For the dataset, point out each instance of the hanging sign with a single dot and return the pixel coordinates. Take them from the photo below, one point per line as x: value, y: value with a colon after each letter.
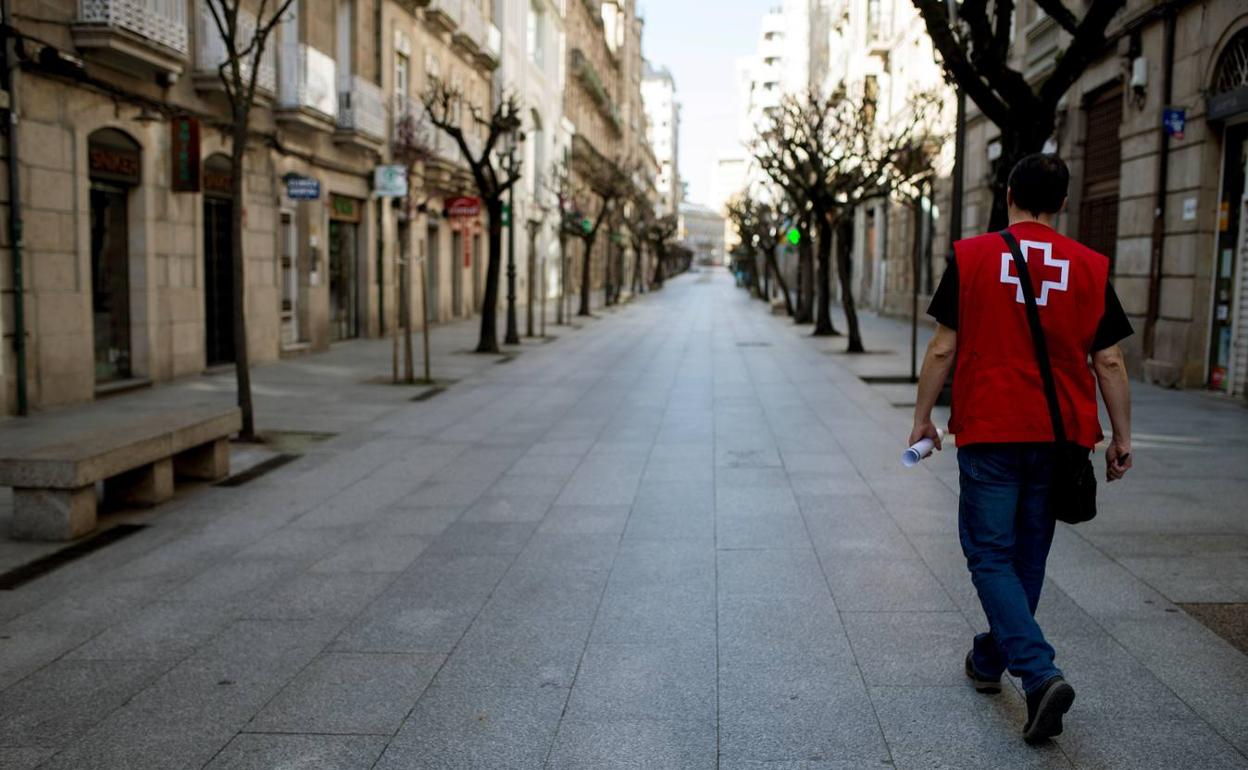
x: 1175, y: 121
x: 464, y: 208
x: 302, y: 188
x: 185, y: 152
x: 390, y: 181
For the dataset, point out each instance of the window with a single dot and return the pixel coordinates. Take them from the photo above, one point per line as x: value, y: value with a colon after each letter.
x: 536, y: 33
x: 402, y: 75
x: 537, y: 140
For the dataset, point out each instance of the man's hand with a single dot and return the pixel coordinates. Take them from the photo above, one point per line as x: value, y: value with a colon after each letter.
x: 924, y: 429
x: 1117, y: 460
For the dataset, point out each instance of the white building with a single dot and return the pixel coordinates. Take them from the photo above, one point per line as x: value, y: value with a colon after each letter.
x: 702, y: 232
x: 534, y: 43
x: 658, y: 92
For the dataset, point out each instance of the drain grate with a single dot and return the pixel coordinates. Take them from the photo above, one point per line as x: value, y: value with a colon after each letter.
x: 257, y: 470
x: 19, y: 576
x: 1228, y: 620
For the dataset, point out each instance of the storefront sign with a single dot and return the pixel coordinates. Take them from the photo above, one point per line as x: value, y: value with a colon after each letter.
x: 302, y: 188
x: 1175, y: 121
x: 464, y: 208
x: 344, y: 209
x: 185, y: 151
x: 390, y: 181
x: 218, y: 175
x: 114, y: 164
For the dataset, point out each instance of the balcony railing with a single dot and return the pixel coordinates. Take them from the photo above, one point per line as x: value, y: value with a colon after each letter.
x: 308, y: 79
x: 160, y: 21
x: 444, y: 14
x: 362, y: 108
x: 210, y: 50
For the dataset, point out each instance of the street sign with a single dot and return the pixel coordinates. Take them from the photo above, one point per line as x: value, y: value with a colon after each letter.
x: 1175, y: 121
x: 302, y: 188
x: 390, y: 181
x: 464, y: 207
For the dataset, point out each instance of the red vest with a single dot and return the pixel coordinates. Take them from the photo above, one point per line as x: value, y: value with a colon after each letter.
x: 998, y: 396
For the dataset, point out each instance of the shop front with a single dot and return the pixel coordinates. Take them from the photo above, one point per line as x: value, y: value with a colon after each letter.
x: 1228, y: 107
x: 345, y: 215
x: 218, y: 181
x: 114, y: 165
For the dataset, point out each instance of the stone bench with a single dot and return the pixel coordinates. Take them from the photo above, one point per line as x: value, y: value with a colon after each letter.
x: 53, y: 463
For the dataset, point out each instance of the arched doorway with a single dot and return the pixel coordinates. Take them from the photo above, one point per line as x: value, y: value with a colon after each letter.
x: 1228, y: 104
x: 218, y: 261
x: 115, y: 168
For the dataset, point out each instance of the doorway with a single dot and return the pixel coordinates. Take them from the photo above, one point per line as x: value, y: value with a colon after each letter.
x: 1102, y: 170
x: 1232, y: 244
x: 290, y: 309
x: 218, y: 262
x: 457, y: 274
x: 344, y: 268
x: 110, y: 282
x: 433, y: 292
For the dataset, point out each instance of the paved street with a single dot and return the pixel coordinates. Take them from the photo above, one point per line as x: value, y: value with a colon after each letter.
x: 678, y: 537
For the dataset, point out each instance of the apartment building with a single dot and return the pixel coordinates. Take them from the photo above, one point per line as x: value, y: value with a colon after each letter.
x: 124, y: 186
x: 658, y: 93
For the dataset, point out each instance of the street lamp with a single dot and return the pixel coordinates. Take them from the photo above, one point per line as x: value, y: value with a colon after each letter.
x: 513, y: 138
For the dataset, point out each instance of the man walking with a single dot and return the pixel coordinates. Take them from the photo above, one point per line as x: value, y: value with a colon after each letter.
x: 1004, y: 432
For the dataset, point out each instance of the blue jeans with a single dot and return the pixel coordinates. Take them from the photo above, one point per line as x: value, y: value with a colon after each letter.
x: 1006, y: 531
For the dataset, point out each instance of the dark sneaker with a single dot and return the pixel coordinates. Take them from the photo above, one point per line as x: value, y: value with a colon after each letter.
x: 1045, y: 708
x: 980, y: 682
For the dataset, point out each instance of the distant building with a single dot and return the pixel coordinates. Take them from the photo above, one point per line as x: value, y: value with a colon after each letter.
x: 658, y: 92
x: 702, y: 232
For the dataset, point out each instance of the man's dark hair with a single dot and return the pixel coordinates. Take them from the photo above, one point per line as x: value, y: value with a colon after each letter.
x: 1040, y: 183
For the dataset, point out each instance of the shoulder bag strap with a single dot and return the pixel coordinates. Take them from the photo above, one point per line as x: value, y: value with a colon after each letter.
x: 1037, y: 337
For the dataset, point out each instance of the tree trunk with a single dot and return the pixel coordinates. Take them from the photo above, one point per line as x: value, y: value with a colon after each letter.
x: 660, y: 254
x: 639, y: 281
x: 823, y: 303
x: 805, y: 279
x: 563, y: 275
x: 1017, y: 142
x: 489, y: 302
x: 586, y: 281
x: 784, y: 289
x: 242, y: 363
x: 844, y: 264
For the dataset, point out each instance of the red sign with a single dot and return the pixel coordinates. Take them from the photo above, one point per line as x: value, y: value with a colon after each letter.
x: 464, y: 208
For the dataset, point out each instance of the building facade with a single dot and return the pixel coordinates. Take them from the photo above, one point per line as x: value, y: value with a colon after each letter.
x: 658, y: 91
x: 702, y: 232
x: 125, y: 187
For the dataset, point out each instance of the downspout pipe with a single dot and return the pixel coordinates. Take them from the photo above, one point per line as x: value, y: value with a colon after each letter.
x: 1158, y: 252
x: 15, y: 209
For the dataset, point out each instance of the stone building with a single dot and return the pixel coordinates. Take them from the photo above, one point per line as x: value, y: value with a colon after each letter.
x: 1154, y: 132
x: 658, y: 91
x: 124, y: 185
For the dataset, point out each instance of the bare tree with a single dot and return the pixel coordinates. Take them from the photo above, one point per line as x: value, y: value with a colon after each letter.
x: 662, y: 234
x: 603, y: 190
x: 493, y: 171
x: 833, y: 154
x: 244, y: 42
x: 412, y: 146
x: 760, y: 226
x: 974, y: 46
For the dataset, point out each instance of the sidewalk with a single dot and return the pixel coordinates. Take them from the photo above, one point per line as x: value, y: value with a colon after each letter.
x: 679, y: 537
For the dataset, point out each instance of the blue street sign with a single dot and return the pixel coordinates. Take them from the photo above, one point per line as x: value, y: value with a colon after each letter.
x: 302, y: 188
x: 1175, y: 120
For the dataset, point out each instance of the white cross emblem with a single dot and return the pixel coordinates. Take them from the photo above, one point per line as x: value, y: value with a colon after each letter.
x: 1007, y: 259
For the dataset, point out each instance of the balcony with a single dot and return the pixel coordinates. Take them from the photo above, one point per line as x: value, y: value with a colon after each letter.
x: 444, y: 15
x: 361, y: 113
x: 470, y: 37
x: 210, y: 53
x: 490, y: 55
x: 146, y: 37
x: 307, y: 95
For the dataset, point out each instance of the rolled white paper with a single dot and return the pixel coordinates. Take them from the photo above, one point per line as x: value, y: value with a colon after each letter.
x: 915, y: 454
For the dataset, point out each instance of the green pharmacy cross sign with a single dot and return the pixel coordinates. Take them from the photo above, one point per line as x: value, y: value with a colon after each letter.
x: 587, y: 225
x: 794, y: 236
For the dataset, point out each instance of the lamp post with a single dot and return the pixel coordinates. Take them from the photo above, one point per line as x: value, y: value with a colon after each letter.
x: 514, y: 138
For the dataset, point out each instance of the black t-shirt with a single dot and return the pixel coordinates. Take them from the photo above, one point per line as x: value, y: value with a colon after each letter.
x: 1113, y: 328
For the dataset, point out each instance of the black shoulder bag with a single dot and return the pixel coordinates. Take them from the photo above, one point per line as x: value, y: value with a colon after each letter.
x: 1072, y: 492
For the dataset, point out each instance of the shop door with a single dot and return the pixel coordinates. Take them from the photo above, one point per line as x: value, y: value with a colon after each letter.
x: 344, y: 310
x: 457, y: 274
x: 110, y: 282
x: 1228, y: 354
x: 1102, y: 169
x: 433, y: 293
x: 218, y: 281
x: 291, y: 328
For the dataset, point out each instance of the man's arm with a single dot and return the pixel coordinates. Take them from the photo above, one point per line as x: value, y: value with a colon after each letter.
x: 1111, y: 375
x: 937, y: 363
